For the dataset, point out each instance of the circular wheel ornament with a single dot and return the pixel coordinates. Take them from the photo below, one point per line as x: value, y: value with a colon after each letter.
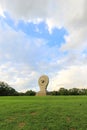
x: 43, y: 82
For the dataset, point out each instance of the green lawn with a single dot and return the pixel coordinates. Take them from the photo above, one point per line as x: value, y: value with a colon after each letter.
x: 43, y: 113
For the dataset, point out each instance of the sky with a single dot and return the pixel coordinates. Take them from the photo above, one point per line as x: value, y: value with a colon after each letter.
x: 40, y: 37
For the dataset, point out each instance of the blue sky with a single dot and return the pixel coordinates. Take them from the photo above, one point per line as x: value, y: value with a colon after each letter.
x: 35, y: 40
x: 39, y: 30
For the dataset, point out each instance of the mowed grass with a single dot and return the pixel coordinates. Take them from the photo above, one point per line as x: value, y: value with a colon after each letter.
x: 43, y: 113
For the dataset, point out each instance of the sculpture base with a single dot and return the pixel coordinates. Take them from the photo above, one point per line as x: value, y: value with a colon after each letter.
x: 41, y: 93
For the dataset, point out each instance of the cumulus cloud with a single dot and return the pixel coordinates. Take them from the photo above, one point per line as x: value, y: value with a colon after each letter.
x: 23, y: 58
x: 1, y: 11
x: 19, y: 76
x: 73, y: 76
x: 65, y: 71
x: 69, y: 14
x: 26, y: 9
x: 77, y: 28
x: 62, y: 12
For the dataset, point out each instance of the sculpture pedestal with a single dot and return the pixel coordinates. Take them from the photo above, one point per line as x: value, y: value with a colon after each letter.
x: 41, y: 93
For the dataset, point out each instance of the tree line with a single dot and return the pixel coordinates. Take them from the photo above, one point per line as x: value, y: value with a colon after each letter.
x: 72, y: 91
x: 6, y: 90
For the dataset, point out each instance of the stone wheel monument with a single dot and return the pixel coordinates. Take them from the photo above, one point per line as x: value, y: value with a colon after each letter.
x: 43, y: 83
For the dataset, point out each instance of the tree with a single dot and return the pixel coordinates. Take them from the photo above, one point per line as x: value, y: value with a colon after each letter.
x: 6, y: 90
x: 63, y: 91
x: 83, y: 92
x: 30, y: 93
x: 74, y: 91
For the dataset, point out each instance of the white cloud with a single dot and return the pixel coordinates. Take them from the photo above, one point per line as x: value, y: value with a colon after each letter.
x: 61, y: 11
x: 1, y: 11
x: 17, y: 59
x: 26, y: 9
x: 69, y: 14
x: 19, y: 76
x: 76, y: 40
x: 74, y: 76
x: 23, y: 59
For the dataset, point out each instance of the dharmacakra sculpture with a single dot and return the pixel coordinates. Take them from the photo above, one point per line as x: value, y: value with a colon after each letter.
x: 43, y: 83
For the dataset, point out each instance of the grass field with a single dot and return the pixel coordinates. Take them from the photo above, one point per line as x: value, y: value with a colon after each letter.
x: 43, y: 113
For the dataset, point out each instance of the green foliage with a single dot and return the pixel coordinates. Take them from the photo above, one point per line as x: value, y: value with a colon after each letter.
x: 73, y: 91
x: 30, y: 93
x: 6, y: 90
x: 63, y: 91
x: 53, y: 93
